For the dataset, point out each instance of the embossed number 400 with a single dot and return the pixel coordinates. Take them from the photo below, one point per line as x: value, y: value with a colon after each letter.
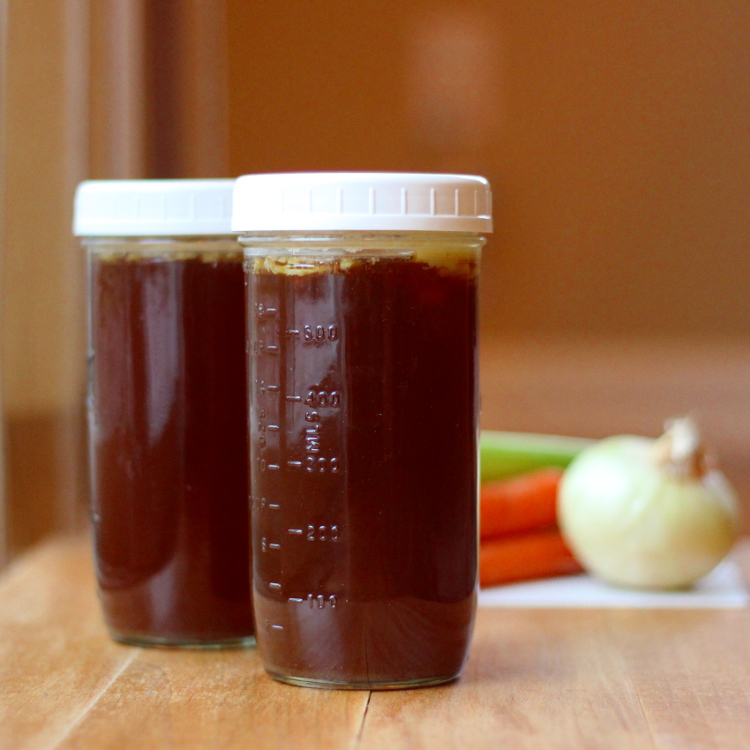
x: 323, y: 398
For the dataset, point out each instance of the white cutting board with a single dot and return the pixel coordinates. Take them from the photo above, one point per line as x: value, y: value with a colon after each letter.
x: 723, y: 588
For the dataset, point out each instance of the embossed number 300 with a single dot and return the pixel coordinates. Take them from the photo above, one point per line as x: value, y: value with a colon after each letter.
x: 322, y: 464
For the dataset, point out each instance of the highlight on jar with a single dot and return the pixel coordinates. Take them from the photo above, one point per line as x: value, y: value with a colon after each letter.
x: 167, y: 411
x: 362, y: 326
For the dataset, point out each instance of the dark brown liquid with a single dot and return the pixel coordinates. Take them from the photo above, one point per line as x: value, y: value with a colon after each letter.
x: 169, y: 447
x: 363, y: 432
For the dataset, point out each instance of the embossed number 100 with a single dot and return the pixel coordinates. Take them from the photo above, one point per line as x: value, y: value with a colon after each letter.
x: 321, y: 333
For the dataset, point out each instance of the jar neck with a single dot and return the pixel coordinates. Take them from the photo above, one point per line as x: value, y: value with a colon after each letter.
x: 363, y: 240
x: 158, y: 246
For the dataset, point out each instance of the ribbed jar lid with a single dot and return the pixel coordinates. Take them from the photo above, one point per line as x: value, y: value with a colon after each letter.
x: 369, y: 201
x: 153, y: 208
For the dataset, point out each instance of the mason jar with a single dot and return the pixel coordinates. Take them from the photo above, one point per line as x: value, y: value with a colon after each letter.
x: 362, y: 341
x: 167, y: 411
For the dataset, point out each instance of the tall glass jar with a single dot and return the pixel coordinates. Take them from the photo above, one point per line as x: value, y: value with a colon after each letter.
x: 167, y: 411
x: 362, y: 321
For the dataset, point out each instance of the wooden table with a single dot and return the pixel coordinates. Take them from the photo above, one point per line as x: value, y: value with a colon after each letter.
x: 535, y: 679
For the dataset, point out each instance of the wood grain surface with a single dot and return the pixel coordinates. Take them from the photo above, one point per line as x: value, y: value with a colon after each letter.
x: 536, y: 678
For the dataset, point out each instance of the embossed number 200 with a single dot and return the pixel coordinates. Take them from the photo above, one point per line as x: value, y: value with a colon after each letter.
x: 322, y: 533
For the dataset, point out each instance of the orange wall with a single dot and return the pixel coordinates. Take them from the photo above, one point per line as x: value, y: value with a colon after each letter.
x: 615, y: 135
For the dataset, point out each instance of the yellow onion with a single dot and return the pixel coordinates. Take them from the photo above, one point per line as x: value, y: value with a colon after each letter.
x: 648, y: 513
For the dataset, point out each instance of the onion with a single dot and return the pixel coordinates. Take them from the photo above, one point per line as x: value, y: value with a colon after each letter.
x: 648, y: 513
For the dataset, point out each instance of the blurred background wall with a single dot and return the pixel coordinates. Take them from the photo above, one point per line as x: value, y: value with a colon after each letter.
x: 44, y: 113
x: 614, y: 133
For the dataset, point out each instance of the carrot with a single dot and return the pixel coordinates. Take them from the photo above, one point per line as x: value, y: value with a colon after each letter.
x: 521, y: 557
x: 522, y: 503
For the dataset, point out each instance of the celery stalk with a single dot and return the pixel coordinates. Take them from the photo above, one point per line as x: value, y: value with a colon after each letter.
x: 503, y: 454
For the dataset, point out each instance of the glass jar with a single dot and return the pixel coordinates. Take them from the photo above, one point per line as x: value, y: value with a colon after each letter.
x: 362, y: 323
x: 167, y: 411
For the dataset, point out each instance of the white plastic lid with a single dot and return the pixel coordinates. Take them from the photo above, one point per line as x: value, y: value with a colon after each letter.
x: 341, y: 201
x: 153, y: 208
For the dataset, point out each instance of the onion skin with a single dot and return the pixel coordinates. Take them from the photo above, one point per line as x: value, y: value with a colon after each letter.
x: 632, y: 523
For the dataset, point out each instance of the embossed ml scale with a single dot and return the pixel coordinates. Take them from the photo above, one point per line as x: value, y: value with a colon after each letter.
x: 362, y: 306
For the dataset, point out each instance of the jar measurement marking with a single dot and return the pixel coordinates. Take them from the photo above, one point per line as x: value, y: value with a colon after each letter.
x: 319, y: 398
x: 261, y: 387
x: 322, y: 465
x: 261, y: 347
x: 321, y: 602
x: 323, y: 533
x: 265, y: 312
x: 319, y: 533
x: 318, y: 334
x: 263, y: 503
x: 321, y: 404
x: 265, y: 545
x: 312, y: 439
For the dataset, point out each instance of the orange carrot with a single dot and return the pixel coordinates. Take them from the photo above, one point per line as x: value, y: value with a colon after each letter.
x: 521, y: 557
x: 522, y: 503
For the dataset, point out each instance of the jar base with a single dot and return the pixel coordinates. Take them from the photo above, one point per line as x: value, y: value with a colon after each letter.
x: 191, y: 644
x: 386, y: 685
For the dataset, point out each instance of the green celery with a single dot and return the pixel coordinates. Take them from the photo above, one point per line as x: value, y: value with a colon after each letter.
x: 503, y: 454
